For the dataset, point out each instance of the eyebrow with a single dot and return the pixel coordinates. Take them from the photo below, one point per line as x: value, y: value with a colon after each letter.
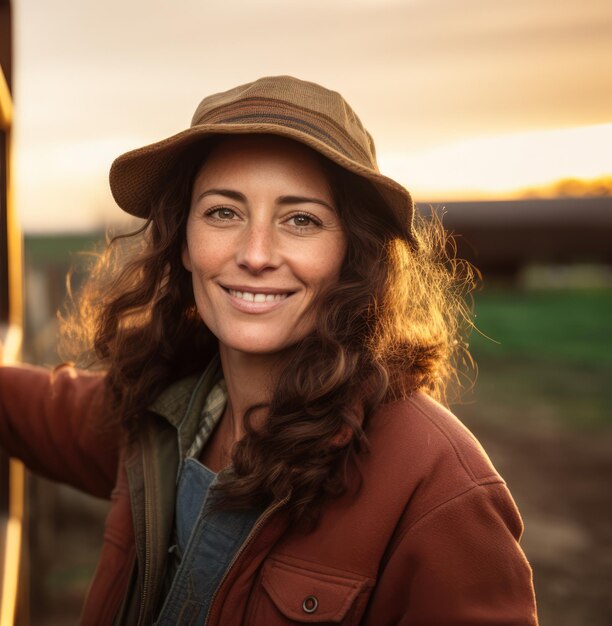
x: 237, y: 195
x: 303, y: 200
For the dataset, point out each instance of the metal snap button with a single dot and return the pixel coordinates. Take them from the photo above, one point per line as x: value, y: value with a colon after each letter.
x: 310, y: 604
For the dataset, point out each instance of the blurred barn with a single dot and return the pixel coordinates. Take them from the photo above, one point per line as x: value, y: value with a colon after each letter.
x: 502, y: 238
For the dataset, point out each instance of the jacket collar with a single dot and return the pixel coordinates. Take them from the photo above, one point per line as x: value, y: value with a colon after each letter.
x: 183, y: 403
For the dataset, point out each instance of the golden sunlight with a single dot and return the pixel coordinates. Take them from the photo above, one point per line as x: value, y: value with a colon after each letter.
x: 504, y: 166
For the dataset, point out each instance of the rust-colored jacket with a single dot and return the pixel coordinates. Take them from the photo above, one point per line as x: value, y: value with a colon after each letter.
x: 430, y: 538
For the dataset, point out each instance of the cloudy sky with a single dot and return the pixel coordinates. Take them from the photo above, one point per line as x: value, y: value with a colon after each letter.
x: 465, y: 98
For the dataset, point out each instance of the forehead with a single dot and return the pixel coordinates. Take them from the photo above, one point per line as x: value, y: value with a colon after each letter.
x: 247, y: 159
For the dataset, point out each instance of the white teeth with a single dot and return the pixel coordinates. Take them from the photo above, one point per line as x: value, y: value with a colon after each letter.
x: 257, y: 297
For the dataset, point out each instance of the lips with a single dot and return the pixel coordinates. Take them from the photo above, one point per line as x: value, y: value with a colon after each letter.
x: 256, y: 299
x: 250, y: 296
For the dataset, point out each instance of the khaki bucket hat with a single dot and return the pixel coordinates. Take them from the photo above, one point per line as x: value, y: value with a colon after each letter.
x: 279, y: 105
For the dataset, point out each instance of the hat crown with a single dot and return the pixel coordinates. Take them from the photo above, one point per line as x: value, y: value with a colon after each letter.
x: 280, y: 105
x: 296, y: 104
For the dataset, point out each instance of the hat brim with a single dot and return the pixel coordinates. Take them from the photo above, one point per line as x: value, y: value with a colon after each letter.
x: 137, y: 177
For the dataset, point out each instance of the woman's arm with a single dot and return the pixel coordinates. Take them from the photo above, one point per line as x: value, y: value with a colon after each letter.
x: 459, y: 564
x: 52, y: 421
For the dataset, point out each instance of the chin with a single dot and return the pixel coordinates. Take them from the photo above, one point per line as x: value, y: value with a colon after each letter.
x: 258, y: 345
x: 262, y: 350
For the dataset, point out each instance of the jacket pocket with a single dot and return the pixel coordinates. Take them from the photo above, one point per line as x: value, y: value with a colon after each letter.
x: 292, y: 594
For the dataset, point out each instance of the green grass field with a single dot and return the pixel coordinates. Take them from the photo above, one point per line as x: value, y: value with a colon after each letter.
x: 572, y: 326
x: 544, y: 357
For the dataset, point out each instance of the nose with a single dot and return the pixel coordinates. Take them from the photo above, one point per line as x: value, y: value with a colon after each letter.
x: 258, y: 251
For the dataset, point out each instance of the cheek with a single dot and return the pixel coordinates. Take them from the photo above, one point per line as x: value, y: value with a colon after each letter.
x: 186, y: 258
x: 203, y: 253
x: 333, y: 258
x: 188, y: 245
x: 322, y: 268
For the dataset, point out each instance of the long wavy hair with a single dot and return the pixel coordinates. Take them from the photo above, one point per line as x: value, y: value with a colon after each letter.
x: 396, y: 322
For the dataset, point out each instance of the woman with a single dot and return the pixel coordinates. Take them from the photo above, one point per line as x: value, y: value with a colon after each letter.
x: 265, y: 424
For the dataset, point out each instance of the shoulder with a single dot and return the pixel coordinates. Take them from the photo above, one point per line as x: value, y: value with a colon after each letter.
x: 431, y: 434
x: 55, y: 422
x: 63, y: 383
x: 63, y: 404
x: 426, y: 453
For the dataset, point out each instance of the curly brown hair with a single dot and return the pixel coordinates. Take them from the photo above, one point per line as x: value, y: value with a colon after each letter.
x: 394, y: 323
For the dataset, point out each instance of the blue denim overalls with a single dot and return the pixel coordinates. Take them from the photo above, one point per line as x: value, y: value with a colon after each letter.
x: 206, y: 541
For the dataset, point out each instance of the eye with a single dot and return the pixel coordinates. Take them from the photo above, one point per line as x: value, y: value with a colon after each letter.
x: 221, y: 213
x: 303, y: 220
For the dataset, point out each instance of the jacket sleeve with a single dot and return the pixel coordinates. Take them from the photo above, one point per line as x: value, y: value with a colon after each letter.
x: 459, y: 564
x: 51, y: 420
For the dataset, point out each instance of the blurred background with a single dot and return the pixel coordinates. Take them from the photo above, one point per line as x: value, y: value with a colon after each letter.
x: 499, y: 115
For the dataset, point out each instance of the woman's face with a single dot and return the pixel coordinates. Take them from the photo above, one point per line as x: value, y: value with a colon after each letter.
x: 263, y: 240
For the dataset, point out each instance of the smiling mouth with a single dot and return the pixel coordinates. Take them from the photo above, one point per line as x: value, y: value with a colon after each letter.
x: 252, y: 296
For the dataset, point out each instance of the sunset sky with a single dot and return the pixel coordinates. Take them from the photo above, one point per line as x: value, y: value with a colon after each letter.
x: 465, y: 99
